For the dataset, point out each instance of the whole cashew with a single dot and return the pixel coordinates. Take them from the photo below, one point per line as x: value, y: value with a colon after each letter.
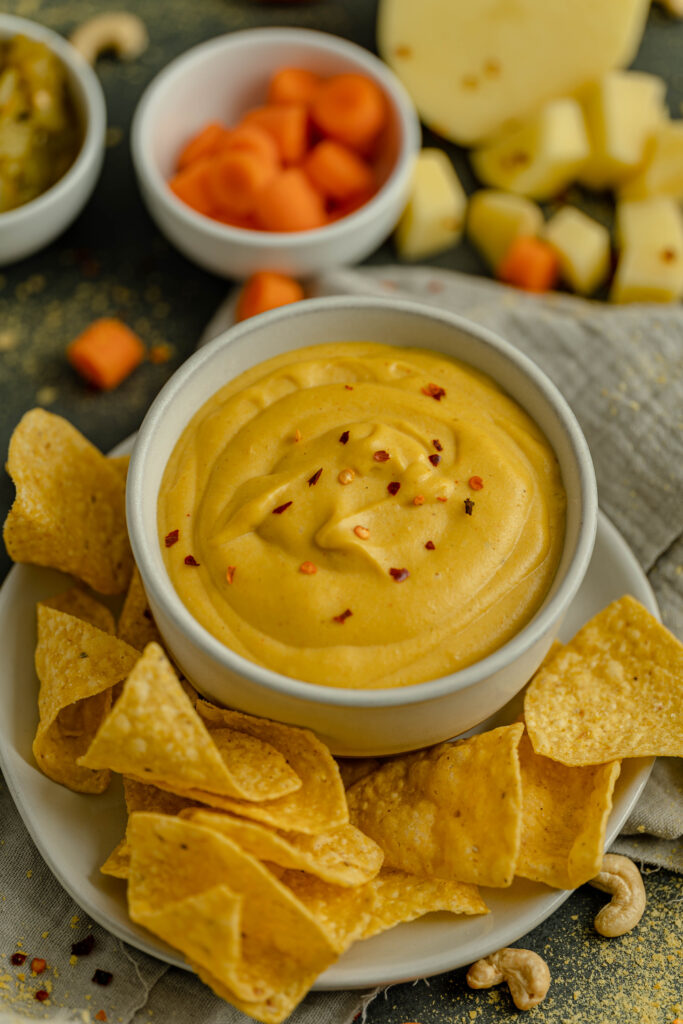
x: 120, y: 31
x: 621, y: 878
x: 526, y: 973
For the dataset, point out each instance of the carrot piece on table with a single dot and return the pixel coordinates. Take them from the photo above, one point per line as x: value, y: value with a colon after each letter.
x: 235, y: 179
x: 105, y: 353
x: 337, y: 171
x: 290, y: 203
x: 530, y: 263
x: 267, y: 290
x: 288, y: 125
x: 191, y: 185
x: 293, y: 85
x: 249, y: 138
x: 351, y: 109
x: 205, y: 143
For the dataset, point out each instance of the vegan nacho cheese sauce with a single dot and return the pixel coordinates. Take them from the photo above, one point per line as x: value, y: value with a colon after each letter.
x: 358, y: 515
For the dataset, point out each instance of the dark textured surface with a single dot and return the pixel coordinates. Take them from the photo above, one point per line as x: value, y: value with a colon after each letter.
x: 113, y: 261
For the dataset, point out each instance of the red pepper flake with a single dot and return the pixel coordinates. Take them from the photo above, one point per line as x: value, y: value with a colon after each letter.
x: 434, y: 391
x: 17, y: 959
x: 430, y: 545
x: 399, y: 575
x: 341, y: 619
x: 100, y: 1015
x: 349, y: 387
x: 476, y: 483
x: 308, y: 568
x: 344, y: 438
x: 38, y: 965
x: 381, y: 456
x: 102, y: 977
x: 435, y: 459
x: 312, y: 480
x: 83, y: 947
x: 230, y: 573
x: 437, y: 444
x: 419, y: 499
x: 171, y: 538
x: 440, y: 497
x: 41, y: 995
x: 281, y: 508
x: 191, y: 560
x: 469, y: 505
x: 394, y: 487
x: 297, y: 435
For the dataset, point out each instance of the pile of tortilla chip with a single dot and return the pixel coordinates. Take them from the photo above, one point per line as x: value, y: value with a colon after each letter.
x: 248, y: 847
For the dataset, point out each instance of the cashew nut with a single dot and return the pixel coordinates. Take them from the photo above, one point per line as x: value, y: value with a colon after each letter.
x: 120, y: 31
x: 621, y: 878
x: 526, y: 973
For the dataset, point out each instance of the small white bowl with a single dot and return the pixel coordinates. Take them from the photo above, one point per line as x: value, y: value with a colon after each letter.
x: 34, y: 225
x: 359, y: 722
x: 219, y: 81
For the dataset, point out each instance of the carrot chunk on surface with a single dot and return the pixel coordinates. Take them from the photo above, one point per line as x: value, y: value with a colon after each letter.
x: 207, y: 142
x: 287, y: 124
x: 351, y: 109
x: 105, y: 353
x: 235, y: 179
x: 191, y: 185
x: 267, y: 290
x: 293, y: 85
x: 290, y: 203
x: 337, y: 172
x: 531, y: 264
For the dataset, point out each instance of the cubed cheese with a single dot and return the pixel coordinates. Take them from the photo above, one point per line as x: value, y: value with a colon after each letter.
x: 583, y: 249
x: 662, y: 172
x: 434, y: 217
x: 650, y: 239
x: 495, y: 219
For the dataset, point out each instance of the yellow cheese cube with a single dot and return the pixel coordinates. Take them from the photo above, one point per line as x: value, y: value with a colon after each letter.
x: 495, y: 219
x: 541, y: 157
x: 650, y: 236
x: 583, y: 249
x: 662, y: 172
x: 622, y: 111
x: 434, y: 217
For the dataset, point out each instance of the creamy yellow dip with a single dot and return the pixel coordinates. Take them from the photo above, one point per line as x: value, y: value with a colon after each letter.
x: 362, y: 515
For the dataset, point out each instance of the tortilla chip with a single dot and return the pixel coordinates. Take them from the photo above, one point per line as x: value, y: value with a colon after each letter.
x: 120, y: 463
x: 343, y: 857
x: 81, y: 605
x: 564, y: 817
x: 69, y: 510
x: 141, y: 797
x: 154, y: 734
x: 353, y: 769
x: 320, y: 804
x: 77, y: 665
x: 136, y: 625
x: 615, y: 691
x: 400, y: 897
x: 343, y: 913
x: 245, y: 933
x: 453, y: 811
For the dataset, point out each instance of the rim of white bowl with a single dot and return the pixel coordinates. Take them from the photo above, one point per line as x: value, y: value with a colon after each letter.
x: 167, y: 597
x: 149, y: 173
x: 95, y: 114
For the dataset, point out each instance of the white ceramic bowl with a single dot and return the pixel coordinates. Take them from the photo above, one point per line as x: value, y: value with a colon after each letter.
x: 358, y: 722
x: 220, y: 80
x: 35, y: 224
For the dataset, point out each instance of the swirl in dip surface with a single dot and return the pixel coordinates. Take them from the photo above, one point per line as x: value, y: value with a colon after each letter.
x: 362, y: 515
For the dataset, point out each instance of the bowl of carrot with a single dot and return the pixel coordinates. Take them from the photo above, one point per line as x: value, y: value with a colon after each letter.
x: 277, y: 149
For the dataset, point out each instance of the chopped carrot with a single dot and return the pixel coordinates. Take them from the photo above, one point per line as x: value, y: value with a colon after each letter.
x: 252, y: 139
x: 235, y: 179
x: 207, y: 142
x: 105, y: 353
x: 290, y: 203
x: 337, y: 171
x: 288, y: 125
x: 339, y: 210
x: 191, y: 185
x: 267, y: 290
x: 531, y: 264
x: 293, y: 85
x: 236, y: 220
x: 350, y: 109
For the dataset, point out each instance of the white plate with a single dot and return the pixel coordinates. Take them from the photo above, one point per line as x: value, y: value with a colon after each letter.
x: 75, y: 833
